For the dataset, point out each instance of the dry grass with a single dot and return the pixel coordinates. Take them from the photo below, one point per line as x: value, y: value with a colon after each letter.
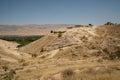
x: 70, y: 74
x: 82, y: 61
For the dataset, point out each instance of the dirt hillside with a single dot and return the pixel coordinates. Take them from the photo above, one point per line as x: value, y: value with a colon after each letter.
x: 9, y: 51
x: 78, y: 53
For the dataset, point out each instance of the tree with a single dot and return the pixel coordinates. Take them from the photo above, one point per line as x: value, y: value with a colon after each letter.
x: 90, y: 25
x: 109, y: 23
x: 51, y: 31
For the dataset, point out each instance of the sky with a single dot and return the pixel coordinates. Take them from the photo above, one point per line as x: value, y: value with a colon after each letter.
x: 59, y: 11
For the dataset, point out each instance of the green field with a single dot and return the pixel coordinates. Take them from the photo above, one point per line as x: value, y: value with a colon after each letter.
x: 22, y: 40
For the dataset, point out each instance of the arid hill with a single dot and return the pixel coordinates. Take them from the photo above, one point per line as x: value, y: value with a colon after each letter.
x: 9, y: 52
x: 77, y: 53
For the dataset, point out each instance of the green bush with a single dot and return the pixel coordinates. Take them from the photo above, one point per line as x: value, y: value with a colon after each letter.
x: 109, y: 23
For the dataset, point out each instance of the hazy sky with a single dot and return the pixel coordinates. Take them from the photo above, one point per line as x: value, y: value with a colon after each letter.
x: 59, y: 11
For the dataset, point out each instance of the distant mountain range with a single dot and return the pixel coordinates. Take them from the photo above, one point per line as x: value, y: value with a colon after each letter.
x: 31, y: 29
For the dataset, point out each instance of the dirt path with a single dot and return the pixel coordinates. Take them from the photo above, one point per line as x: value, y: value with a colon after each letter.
x: 50, y: 54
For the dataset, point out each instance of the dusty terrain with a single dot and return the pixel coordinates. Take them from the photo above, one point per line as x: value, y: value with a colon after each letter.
x: 79, y: 53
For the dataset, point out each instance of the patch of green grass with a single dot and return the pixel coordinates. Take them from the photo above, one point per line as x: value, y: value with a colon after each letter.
x: 22, y: 40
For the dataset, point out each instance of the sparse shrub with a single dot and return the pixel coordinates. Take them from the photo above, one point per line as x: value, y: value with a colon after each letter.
x: 115, y: 55
x: 55, y: 32
x: 25, y: 64
x: 112, y: 56
x: 59, y: 34
x: 78, y: 25
x: 74, y: 55
x: 9, y: 74
x: 85, y: 55
x: 84, y: 38
x: 33, y: 55
x: 100, y: 60
x: 68, y: 74
x: 118, y: 54
x: 5, y: 68
x: 43, y: 57
x: 106, y: 50
x: 93, y: 47
x: 42, y: 50
x: 18, y: 46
